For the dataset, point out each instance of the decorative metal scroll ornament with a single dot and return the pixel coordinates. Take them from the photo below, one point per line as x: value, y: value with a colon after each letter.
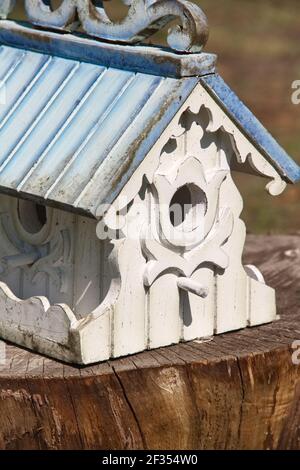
x: 143, y: 19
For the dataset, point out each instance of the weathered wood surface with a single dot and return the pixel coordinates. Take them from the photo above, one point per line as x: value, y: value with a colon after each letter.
x: 239, y: 391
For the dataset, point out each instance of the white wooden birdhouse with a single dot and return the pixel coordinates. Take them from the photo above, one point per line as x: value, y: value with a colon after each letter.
x: 120, y: 224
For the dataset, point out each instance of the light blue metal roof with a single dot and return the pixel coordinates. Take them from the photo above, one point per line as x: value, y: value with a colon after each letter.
x: 73, y: 133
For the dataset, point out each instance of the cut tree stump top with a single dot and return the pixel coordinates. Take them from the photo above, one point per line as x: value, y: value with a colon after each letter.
x: 239, y: 391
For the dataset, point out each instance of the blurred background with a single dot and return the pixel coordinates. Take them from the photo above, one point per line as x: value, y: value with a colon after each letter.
x: 258, y: 44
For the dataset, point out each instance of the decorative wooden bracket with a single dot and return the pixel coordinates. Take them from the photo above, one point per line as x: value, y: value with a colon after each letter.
x: 143, y: 19
x: 185, y: 251
x: 163, y: 260
x: 245, y: 151
x: 29, y: 254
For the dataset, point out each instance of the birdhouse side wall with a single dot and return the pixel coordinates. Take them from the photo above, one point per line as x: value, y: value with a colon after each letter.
x: 58, y: 257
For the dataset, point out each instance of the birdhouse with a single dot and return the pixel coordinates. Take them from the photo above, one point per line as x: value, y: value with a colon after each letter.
x: 120, y: 224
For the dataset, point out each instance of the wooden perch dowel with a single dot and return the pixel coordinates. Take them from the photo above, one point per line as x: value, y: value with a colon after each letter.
x: 193, y: 287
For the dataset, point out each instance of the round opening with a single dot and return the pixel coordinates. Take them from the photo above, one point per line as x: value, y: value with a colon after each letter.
x: 188, y: 208
x: 32, y: 216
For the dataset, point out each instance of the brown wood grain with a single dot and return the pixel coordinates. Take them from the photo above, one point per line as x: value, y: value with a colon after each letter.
x: 239, y: 391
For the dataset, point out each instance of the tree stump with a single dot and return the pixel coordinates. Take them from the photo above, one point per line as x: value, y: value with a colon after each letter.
x: 239, y: 391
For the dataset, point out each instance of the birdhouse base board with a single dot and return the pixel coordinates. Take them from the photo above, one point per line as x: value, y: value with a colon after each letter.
x: 56, y: 332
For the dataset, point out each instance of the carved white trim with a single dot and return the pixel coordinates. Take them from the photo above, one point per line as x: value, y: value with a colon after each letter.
x: 55, y: 261
x: 210, y: 251
x: 144, y: 18
x: 254, y: 273
x: 53, y: 330
x: 36, y: 314
x: 190, y: 171
x: 243, y: 148
x: 172, y: 250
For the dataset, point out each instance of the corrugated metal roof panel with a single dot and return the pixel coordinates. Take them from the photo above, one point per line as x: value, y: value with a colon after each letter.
x: 70, y: 131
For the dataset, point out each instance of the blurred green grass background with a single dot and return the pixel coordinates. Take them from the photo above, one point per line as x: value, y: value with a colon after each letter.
x: 258, y: 44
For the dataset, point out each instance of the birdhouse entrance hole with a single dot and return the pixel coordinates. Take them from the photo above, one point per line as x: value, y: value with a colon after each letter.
x: 32, y: 216
x: 188, y: 208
